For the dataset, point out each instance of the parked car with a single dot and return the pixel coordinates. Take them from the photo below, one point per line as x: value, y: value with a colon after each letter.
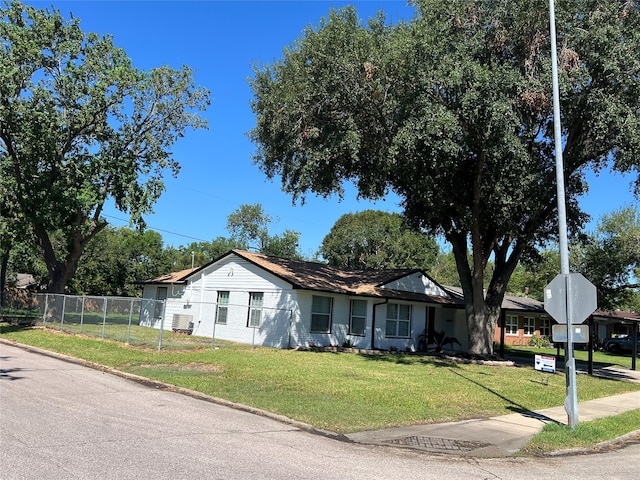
x: 621, y: 344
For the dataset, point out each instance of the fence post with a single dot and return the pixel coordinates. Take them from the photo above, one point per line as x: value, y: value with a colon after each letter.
x: 215, y: 319
x: 164, y: 310
x: 104, y: 316
x: 46, y: 307
x: 129, y: 327
x: 64, y: 305
x: 82, y: 315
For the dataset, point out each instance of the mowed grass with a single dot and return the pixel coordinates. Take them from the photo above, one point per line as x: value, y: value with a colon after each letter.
x: 340, y: 392
x: 585, y: 435
x: 600, y: 359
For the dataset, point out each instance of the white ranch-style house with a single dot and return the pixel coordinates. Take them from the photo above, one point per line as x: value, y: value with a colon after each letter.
x: 277, y: 302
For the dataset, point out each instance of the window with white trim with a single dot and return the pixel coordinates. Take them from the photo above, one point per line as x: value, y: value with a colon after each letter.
x: 529, y: 326
x: 222, y: 307
x: 358, y: 319
x: 255, y: 309
x: 545, y: 327
x: 321, y: 308
x: 398, y: 320
x: 511, y: 325
x: 161, y: 297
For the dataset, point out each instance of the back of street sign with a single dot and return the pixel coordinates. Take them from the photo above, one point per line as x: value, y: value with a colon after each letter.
x: 570, y: 296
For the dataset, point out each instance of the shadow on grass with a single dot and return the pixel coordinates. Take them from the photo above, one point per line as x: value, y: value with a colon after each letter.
x: 601, y: 359
x: 10, y: 327
x: 513, y: 407
x: 410, y: 359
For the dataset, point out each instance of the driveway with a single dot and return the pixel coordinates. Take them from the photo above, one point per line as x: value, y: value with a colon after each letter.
x: 61, y: 420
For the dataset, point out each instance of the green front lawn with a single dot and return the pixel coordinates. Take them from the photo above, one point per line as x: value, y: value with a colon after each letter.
x: 600, y: 359
x: 556, y: 437
x: 340, y: 392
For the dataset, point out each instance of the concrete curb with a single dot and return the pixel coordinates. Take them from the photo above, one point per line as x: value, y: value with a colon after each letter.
x: 620, y: 442
x: 183, y: 391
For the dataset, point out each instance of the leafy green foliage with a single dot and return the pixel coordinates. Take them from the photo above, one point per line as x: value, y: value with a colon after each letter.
x: 611, y: 258
x: 533, y: 274
x: 453, y: 112
x: 198, y: 253
x: 79, y: 125
x: 116, y: 259
x: 374, y: 239
x: 249, y: 229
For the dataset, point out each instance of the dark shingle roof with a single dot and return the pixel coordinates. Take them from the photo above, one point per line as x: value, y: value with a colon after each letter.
x: 321, y: 277
x: 509, y: 302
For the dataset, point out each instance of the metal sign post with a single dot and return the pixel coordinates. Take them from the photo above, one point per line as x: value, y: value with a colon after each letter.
x: 571, y: 402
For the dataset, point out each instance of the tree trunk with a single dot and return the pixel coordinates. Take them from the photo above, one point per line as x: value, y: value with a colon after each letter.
x: 482, y: 308
x: 61, y: 272
x: 481, y: 327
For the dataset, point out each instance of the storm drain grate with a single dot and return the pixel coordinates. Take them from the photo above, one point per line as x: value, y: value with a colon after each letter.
x: 434, y: 443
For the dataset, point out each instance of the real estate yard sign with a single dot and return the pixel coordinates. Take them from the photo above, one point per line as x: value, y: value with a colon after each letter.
x: 545, y: 363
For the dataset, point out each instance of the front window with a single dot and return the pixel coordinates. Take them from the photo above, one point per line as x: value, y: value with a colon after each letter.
x: 223, y: 307
x: 529, y: 326
x: 358, y: 320
x: 545, y: 329
x: 398, y: 320
x: 255, y: 309
x: 511, y: 325
x: 321, y: 314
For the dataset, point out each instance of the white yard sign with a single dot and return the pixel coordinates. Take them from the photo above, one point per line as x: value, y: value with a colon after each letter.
x: 545, y: 363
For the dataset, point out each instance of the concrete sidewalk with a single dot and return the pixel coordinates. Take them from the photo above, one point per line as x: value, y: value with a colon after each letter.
x: 493, y: 437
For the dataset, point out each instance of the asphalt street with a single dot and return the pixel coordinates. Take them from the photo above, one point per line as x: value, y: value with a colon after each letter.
x: 62, y: 420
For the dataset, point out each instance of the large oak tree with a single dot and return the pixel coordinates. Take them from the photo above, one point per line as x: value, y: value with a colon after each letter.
x: 374, y: 239
x: 80, y: 126
x: 452, y: 111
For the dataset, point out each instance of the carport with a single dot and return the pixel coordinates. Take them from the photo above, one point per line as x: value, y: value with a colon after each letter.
x: 606, y: 324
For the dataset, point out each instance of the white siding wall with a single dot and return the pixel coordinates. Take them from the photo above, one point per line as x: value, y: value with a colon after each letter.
x: 418, y: 324
x: 339, y: 322
x: 240, y: 278
x: 173, y: 305
x: 453, y: 322
x: 416, y: 283
x: 286, y: 313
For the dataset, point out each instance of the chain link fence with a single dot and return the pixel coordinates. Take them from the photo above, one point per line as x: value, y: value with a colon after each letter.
x: 116, y: 318
x: 161, y: 324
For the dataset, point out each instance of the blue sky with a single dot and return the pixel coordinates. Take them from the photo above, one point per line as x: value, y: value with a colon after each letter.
x: 221, y: 41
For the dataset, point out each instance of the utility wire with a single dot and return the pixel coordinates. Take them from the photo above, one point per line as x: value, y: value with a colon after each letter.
x: 159, y: 229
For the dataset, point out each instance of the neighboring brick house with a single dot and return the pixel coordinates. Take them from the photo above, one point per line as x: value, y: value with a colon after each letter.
x: 522, y: 320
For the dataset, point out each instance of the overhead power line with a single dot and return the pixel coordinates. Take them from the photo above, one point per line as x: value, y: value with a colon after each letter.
x: 160, y: 229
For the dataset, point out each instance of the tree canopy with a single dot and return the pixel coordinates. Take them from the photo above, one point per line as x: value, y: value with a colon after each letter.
x: 81, y: 126
x: 452, y: 111
x: 374, y: 239
x: 610, y: 258
x: 249, y: 229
